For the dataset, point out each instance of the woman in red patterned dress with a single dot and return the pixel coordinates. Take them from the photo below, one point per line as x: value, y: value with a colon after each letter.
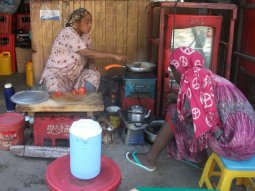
x: 211, y: 113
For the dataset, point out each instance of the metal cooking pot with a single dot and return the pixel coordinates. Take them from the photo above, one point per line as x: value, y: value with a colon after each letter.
x: 113, y: 109
x: 137, y: 113
x: 134, y: 66
x: 113, y: 116
x: 152, y: 130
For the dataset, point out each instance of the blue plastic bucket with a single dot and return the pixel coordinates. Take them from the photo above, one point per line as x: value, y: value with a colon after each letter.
x: 85, y: 148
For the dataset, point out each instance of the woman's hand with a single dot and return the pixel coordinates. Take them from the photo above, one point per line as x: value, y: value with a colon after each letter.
x: 121, y: 58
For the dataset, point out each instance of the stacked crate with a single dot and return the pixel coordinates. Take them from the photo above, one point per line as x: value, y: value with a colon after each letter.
x: 23, y: 22
x: 23, y: 42
x: 53, y: 129
x: 7, y: 37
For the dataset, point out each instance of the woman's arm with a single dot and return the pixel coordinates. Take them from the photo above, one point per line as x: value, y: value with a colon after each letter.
x: 93, y: 54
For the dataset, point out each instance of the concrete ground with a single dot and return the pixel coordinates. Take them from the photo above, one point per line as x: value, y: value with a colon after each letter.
x: 28, y: 174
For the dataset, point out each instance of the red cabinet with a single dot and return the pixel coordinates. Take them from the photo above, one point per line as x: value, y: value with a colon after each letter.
x: 174, y: 21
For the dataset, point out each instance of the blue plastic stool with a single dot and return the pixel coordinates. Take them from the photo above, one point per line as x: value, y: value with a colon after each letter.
x: 243, y: 171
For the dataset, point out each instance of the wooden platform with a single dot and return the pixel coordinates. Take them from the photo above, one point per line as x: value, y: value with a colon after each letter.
x: 91, y: 102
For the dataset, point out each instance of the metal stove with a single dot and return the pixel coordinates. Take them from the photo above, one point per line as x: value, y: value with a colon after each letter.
x: 139, y: 88
x: 139, y: 83
x: 133, y: 132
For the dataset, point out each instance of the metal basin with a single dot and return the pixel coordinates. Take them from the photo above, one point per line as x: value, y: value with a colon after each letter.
x: 152, y: 130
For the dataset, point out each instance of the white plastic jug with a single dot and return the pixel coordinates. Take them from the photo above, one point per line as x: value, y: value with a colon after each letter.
x: 85, y: 148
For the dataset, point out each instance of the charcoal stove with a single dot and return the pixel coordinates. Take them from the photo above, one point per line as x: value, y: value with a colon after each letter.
x: 139, y: 89
x: 133, y: 132
x: 139, y: 83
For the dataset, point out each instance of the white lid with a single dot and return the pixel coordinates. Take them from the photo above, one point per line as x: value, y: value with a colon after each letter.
x: 8, y: 85
x: 85, y: 128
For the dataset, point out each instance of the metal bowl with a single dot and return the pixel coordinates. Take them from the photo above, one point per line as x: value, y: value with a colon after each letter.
x: 151, y: 130
x: 113, y: 109
x: 150, y: 136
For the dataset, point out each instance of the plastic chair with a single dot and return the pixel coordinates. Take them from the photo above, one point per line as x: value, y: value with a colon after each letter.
x: 243, y: 171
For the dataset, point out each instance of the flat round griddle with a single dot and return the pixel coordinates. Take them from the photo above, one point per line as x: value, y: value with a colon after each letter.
x: 30, y: 97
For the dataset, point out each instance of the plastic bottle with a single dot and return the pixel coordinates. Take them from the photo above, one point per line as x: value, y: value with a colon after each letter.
x: 8, y: 92
x: 6, y: 64
x: 85, y: 148
x: 113, y: 100
x: 29, y: 74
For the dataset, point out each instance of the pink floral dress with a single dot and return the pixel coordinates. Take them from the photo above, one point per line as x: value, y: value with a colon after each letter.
x: 65, y: 68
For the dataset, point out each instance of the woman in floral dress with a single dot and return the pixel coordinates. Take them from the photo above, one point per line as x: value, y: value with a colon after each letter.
x: 68, y: 66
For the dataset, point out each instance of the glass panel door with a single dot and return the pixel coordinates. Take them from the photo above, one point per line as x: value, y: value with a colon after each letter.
x: 199, y: 38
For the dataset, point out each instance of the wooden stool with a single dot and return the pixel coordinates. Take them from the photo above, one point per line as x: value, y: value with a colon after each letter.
x: 243, y: 171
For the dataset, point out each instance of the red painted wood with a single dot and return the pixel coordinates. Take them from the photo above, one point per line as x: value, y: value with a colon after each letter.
x: 185, y: 5
x: 248, y: 39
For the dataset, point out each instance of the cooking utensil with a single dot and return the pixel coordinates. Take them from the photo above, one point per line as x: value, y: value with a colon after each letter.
x: 151, y: 130
x: 113, y: 109
x: 137, y: 113
x: 114, y: 117
x: 134, y: 66
x: 136, y: 109
x: 30, y: 97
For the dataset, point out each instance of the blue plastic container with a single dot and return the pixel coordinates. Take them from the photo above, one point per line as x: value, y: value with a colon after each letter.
x: 85, y: 148
x: 8, y: 92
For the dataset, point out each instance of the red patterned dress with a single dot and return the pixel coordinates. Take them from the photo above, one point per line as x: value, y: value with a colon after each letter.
x: 223, y: 120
